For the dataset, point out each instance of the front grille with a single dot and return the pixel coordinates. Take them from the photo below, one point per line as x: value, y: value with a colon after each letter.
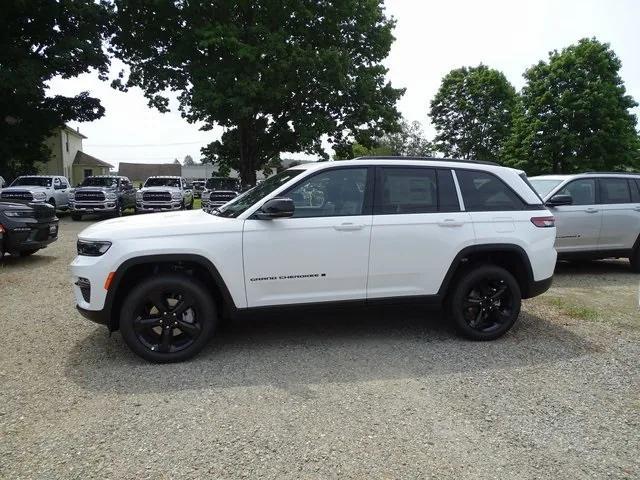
x: 156, y: 196
x: 43, y: 211
x: 17, y: 195
x: 221, y: 197
x: 90, y: 196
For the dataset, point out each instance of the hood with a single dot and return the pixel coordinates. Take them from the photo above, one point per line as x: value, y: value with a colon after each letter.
x: 166, y: 224
x: 14, y: 205
x: 159, y: 189
x: 28, y: 188
x: 100, y: 189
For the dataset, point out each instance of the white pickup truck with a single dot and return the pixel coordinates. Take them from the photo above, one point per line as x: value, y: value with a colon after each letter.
x: 53, y: 189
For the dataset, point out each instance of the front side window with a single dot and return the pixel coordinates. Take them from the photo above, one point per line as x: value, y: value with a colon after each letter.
x: 407, y: 190
x: 249, y: 198
x: 333, y: 193
x: 482, y: 191
x: 614, y: 190
x: 582, y: 191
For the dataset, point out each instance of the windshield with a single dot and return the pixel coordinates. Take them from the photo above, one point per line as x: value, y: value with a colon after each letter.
x: 241, y: 203
x: 100, y: 182
x: 32, y: 181
x: 222, y: 184
x: 162, y: 182
x: 543, y: 187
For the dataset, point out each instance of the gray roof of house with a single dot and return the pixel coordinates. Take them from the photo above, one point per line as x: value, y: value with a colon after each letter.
x: 85, y: 159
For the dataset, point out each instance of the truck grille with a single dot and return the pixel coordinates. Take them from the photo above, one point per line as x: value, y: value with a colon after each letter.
x: 90, y: 196
x: 221, y: 197
x: 156, y: 197
x: 16, y: 195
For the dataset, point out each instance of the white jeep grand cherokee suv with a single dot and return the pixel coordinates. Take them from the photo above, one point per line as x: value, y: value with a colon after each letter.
x: 470, y: 235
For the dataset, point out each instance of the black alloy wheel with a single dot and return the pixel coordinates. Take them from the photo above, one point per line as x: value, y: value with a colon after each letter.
x: 485, y: 303
x: 168, y: 318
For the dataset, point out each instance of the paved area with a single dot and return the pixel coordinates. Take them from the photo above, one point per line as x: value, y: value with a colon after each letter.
x: 356, y: 394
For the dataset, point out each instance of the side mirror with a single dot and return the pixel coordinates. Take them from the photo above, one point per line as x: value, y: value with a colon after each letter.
x: 278, y: 207
x: 559, y: 200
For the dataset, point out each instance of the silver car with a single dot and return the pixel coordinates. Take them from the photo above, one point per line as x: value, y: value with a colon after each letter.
x: 597, y: 214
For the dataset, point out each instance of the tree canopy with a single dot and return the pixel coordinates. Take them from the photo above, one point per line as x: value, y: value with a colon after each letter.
x: 472, y: 113
x: 188, y: 161
x: 41, y: 40
x: 575, y: 114
x: 277, y: 75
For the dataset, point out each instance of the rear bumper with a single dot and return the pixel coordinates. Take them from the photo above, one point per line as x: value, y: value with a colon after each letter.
x: 538, y: 287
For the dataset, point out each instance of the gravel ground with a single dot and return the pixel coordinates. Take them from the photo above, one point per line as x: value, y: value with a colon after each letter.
x: 383, y: 394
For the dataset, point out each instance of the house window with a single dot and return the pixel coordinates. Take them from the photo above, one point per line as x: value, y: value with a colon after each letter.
x: 66, y: 136
x: 88, y: 172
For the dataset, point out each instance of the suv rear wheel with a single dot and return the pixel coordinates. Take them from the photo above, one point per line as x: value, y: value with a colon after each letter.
x: 168, y: 318
x: 485, y: 302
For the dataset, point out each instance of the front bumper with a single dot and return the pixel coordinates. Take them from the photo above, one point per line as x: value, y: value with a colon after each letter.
x: 30, y: 236
x: 159, y: 206
x: 93, y: 207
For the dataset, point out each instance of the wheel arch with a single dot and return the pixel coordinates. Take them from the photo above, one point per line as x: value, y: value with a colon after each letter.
x: 137, y: 268
x: 511, y: 257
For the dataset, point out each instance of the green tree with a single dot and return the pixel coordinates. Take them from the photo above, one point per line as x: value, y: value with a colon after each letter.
x: 575, y: 114
x: 40, y: 40
x: 277, y: 75
x: 407, y: 140
x: 472, y: 113
x: 188, y: 161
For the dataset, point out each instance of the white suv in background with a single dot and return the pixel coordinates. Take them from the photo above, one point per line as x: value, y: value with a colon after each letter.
x: 473, y: 236
x: 597, y: 214
x: 53, y: 189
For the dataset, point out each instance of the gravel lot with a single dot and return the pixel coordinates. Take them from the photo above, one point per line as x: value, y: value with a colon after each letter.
x: 383, y: 394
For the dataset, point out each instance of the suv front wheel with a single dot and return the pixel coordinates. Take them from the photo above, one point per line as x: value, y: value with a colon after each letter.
x: 485, y: 302
x: 168, y: 318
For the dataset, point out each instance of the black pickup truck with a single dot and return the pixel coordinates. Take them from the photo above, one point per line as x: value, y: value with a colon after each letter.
x: 106, y: 195
x: 26, y: 228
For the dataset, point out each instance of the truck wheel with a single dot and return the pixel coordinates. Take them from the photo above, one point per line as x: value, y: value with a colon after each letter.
x: 484, y: 303
x: 118, y: 211
x: 190, y: 207
x: 76, y: 217
x: 52, y: 202
x: 168, y: 318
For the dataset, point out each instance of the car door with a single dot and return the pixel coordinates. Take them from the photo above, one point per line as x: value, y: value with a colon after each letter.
x: 321, y: 253
x: 620, y: 215
x: 418, y: 228
x: 61, y: 189
x: 578, y: 225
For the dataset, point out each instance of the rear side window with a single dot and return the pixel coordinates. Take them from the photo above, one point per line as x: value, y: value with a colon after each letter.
x: 482, y: 191
x: 634, y: 185
x: 614, y: 190
x: 407, y: 190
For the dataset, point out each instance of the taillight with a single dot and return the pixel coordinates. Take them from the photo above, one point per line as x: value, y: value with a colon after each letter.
x: 543, y: 222
x: 1, y: 228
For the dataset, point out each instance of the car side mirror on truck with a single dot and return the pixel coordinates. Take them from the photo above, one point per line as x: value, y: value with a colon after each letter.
x: 278, y: 207
x: 559, y: 200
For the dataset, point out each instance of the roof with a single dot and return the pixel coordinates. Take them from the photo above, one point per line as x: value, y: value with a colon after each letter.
x: 142, y: 171
x: 86, y: 159
x: 73, y: 131
x: 567, y: 176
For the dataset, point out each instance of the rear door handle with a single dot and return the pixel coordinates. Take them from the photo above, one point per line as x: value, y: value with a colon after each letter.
x: 348, y: 227
x: 591, y: 210
x: 450, y: 222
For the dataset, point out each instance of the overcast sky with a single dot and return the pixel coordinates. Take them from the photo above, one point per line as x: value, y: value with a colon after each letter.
x: 432, y: 37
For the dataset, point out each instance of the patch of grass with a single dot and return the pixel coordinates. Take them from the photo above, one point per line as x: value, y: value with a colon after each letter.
x: 574, y: 311
x: 197, y: 203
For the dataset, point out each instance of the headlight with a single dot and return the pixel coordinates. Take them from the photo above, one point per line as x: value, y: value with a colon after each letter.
x: 206, y: 194
x: 19, y: 213
x: 112, y: 196
x: 39, y: 196
x: 138, y: 195
x: 92, y: 248
x: 176, y: 195
x: 72, y: 195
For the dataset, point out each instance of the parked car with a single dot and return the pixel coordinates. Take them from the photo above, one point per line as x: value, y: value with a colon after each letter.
x: 220, y: 190
x: 26, y: 228
x: 472, y: 236
x: 53, y: 189
x: 102, y: 195
x: 164, y: 193
x: 198, y: 188
x: 597, y: 214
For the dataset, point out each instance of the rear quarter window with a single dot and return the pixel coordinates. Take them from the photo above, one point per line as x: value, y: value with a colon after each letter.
x: 482, y: 191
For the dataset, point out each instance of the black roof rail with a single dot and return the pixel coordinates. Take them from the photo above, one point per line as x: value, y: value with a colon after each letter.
x: 432, y: 159
x: 611, y: 173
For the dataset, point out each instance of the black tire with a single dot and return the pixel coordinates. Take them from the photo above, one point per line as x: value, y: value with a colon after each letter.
x: 118, y: 211
x: 76, y: 217
x: 190, y: 207
x: 485, y: 302
x: 52, y: 202
x: 27, y: 253
x: 144, y: 325
x: 634, y: 261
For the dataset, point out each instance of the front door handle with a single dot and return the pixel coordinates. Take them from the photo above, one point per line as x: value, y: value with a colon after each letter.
x: 348, y: 227
x: 591, y: 210
x: 450, y: 222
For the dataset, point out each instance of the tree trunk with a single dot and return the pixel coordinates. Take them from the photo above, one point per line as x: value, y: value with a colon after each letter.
x: 248, y: 152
